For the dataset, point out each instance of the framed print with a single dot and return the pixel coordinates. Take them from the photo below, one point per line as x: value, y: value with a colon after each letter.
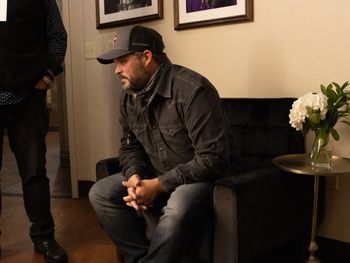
x: 198, y: 13
x: 111, y: 13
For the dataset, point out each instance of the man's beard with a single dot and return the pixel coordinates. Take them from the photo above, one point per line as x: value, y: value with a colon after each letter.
x: 136, y: 85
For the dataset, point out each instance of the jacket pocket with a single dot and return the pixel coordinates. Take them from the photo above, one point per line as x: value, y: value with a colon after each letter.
x: 140, y: 132
x: 176, y: 136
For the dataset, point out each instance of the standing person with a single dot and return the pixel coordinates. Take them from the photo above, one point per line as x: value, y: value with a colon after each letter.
x: 32, y: 48
x: 174, y: 145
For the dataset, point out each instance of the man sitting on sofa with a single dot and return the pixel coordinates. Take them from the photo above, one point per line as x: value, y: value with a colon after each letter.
x: 174, y: 146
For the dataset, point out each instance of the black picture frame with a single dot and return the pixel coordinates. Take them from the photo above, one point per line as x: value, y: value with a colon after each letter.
x: 113, y: 13
x: 187, y: 15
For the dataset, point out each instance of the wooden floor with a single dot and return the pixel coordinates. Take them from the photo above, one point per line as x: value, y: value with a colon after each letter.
x: 77, y: 227
x: 77, y: 230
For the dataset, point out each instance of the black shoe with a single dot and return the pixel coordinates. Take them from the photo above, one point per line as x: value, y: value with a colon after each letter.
x: 51, y: 250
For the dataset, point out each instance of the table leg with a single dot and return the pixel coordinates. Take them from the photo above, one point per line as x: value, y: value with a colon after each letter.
x: 313, y: 245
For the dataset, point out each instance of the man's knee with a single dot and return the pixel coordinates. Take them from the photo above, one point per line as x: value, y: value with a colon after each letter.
x: 108, y: 189
x: 188, y: 203
x: 94, y: 193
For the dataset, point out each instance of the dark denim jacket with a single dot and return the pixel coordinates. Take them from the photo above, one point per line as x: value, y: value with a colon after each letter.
x: 179, y: 135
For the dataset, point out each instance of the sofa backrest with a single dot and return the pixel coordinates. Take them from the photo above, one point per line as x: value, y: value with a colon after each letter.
x: 261, y: 128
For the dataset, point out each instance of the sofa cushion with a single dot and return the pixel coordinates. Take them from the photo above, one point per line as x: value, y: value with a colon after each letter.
x: 262, y: 130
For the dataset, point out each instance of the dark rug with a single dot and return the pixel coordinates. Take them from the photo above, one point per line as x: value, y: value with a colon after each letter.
x: 60, y: 183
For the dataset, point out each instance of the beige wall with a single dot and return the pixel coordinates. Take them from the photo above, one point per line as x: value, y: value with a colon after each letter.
x: 290, y: 48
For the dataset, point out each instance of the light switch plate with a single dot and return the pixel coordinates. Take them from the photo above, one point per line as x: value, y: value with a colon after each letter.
x: 90, y: 50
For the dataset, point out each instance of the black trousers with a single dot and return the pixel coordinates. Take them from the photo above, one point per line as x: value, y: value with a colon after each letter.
x: 27, y: 126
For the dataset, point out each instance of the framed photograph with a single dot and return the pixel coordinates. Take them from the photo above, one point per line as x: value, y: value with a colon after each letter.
x: 110, y: 13
x: 198, y: 13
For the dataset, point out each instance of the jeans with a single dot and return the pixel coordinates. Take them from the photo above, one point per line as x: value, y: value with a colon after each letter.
x: 27, y: 125
x: 180, y: 214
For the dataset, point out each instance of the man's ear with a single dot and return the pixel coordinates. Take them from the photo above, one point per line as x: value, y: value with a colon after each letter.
x: 147, y: 57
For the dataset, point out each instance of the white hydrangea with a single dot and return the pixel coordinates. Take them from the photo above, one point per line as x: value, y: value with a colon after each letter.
x: 298, y: 113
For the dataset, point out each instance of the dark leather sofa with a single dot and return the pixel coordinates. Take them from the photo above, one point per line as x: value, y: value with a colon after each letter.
x: 259, y: 211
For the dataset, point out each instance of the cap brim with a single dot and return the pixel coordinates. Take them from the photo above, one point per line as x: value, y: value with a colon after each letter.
x: 110, y: 56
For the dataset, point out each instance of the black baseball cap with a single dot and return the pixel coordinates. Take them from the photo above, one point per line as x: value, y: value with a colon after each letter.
x: 133, y: 39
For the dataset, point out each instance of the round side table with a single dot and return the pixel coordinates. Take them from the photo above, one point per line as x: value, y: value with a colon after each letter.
x: 300, y: 164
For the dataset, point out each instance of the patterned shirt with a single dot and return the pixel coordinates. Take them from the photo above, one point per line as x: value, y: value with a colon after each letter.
x: 57, y: 45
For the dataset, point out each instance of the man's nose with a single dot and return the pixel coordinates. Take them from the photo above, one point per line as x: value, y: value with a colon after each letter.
x: 117, y: 70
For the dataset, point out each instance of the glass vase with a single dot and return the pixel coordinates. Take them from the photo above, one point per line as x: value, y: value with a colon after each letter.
x: 321, y: 153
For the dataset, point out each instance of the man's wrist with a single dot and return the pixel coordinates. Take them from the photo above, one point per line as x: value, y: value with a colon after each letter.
x: 47, y: 81
x: 159, y: 185
x: 50, y: 74
x: 48, y: 78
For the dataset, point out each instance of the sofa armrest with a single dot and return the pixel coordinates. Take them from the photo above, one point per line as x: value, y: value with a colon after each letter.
x: 107, y: 167
x: 259, y: 211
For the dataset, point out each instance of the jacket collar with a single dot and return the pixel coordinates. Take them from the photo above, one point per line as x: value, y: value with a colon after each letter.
x: 163, y: 85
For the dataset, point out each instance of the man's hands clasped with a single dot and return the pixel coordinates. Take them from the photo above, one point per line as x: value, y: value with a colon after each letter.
x: 141, y: 193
